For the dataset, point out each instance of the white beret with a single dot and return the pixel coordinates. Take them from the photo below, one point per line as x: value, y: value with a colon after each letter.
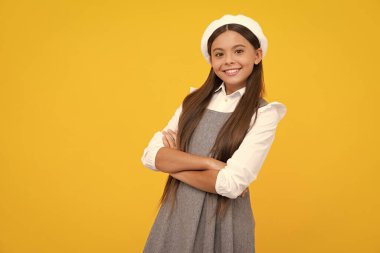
x: 233, y: 19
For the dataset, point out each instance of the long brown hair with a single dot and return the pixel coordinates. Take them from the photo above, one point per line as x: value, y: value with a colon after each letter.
x: 235, y: 128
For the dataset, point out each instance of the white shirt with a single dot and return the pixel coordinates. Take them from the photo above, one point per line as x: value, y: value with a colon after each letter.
x: 244, y: 165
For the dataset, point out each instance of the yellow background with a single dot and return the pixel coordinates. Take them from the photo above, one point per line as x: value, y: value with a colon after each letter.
x: 85, y: 84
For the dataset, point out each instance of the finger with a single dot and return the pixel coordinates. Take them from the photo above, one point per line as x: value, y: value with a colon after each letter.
x: 166, y: 144
x: 169, y: 140
x: 173, y: 136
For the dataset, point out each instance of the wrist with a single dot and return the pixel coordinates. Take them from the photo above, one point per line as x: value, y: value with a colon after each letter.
x: 208, y: 163
x: 213, y: 164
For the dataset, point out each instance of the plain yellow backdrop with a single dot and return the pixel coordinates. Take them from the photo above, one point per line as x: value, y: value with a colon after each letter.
x: 85, y: 84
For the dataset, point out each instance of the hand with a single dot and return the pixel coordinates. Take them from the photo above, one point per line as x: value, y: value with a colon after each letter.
x: 214, y: 164
x: 243, y: 193
x: 170, y: 139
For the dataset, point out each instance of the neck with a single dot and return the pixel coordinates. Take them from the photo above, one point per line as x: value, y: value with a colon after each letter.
x: 232, y: 88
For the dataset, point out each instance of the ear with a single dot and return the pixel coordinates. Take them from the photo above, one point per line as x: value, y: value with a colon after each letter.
x: 258, y: 55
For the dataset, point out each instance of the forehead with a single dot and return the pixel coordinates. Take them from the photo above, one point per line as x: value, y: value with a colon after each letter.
x: 229, y: 39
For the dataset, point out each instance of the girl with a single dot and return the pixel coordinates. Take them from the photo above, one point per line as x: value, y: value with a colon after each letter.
x: 214, y: 146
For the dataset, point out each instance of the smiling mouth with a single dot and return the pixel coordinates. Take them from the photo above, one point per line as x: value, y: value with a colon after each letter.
x: 231, y: 72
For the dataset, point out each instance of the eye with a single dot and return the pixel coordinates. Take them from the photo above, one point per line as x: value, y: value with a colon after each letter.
x: 218, y: 54
x: 239, y: 51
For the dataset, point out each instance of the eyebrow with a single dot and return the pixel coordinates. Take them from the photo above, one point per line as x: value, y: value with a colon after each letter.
x: 238, y: 45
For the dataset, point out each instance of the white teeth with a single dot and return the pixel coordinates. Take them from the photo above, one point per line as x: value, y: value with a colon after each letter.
x: 232, y: 71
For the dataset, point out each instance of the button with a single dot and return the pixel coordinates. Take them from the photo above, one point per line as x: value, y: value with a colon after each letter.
x: 226, y: 100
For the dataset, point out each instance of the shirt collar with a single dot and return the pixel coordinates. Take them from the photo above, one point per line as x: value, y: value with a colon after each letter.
x: 222, y: 87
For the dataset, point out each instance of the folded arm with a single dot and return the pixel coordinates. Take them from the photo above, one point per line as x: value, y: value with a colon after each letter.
x: 171, y: 160
x: 203, y: 180
x: 180, y: 162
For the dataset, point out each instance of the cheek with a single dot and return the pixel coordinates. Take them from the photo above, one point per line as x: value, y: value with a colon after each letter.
x: 248, y: 61
x: 216, y: 67
x: 217, y: 71
x: 248, y: 65
x: 248, y: 68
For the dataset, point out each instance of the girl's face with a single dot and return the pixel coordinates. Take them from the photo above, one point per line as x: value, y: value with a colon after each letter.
x: 233, y: 59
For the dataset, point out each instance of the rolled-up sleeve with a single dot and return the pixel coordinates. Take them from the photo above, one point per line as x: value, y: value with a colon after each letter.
x: 149, y: 155
x: 244, y: 165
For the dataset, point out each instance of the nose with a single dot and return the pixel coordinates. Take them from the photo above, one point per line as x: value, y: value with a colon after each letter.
x: 229, y: 58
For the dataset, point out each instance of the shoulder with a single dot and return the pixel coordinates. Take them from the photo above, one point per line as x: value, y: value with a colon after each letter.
x: 269, y: 113
x: 274, y: 107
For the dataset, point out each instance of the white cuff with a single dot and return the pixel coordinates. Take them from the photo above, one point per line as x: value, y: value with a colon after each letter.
x: 149, y: 157
x: 224, y: 186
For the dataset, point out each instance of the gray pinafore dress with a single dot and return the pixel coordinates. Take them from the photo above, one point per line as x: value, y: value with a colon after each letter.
x: 193, y: 227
